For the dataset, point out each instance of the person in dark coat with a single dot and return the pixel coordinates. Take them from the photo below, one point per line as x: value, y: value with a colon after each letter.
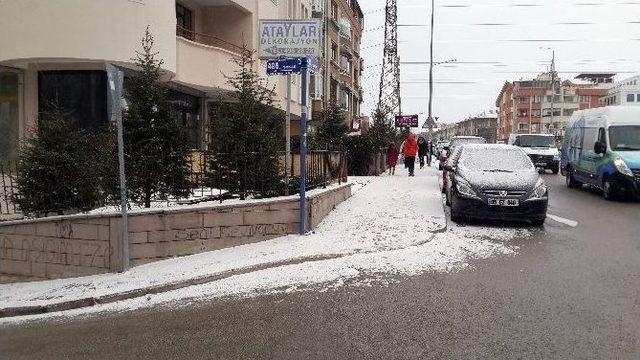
x: 392, y: 158
x: 423, y: 150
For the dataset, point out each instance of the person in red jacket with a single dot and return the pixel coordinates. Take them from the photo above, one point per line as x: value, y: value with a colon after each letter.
x: 410, y: 151
x: 392, y: 158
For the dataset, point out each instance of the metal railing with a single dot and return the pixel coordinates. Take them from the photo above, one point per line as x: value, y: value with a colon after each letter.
x: 209, y: 40
x: 211, y: 177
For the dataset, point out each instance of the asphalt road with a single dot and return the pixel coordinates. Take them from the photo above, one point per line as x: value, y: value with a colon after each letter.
x: 569, y: 293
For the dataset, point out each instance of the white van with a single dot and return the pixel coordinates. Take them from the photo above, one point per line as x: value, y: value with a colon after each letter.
x: 541, y: 148
x: 602, y: 149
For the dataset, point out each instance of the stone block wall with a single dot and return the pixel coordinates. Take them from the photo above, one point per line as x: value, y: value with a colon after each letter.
x: 78, y: 245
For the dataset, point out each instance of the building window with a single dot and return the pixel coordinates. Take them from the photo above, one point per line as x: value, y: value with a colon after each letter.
x: 638, y: 98
x: 334, y: 11
x: 523, y: 127
x: 631, y: 98
x: 184, y: 21
x: 81, y: 94
x: 9, y: 116
x: 585, y: 99
x: 334, y: 51
x: 568, y: 99
x: 567, y: 112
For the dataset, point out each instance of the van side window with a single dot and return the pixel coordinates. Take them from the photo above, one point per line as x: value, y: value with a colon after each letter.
x: 589, y: 140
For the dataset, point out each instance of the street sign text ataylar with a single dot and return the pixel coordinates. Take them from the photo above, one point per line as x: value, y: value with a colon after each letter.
x: 290, y: 38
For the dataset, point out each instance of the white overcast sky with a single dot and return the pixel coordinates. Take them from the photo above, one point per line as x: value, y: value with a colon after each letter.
x: 495, y: 41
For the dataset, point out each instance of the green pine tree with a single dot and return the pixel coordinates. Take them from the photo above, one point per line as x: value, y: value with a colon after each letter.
x: 56, y: 172
x: 156, y: 150
x: 333, y: 129
x: 247, y: 136
x: 382, y: 133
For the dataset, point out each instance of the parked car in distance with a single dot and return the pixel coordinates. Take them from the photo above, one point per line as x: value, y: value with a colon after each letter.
x: 450, y: 161
x: 602, y: 149
x: 497, y: 182
x: 541, y: 148
x: 457, y: 141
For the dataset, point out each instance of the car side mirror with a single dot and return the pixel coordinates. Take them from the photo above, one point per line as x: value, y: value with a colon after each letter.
x: 600, y: 148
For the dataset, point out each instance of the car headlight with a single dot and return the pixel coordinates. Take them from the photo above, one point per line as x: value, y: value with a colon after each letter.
x: 540, y: 191
x: 622, y: 167
x: 465, y: 189
x: 556, y: 157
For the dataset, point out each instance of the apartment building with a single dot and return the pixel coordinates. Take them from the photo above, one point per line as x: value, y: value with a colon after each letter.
x: 58, y: 52
x: 545, y: 106
x: 625, y: 92
x: 339, y: 80
x: 483, y: 125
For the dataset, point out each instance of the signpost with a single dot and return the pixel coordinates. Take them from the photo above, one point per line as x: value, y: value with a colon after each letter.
x: 292, y: 47
x: 407, y: 121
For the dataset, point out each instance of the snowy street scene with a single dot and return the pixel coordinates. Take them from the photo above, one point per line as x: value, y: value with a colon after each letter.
x: 319, y: 179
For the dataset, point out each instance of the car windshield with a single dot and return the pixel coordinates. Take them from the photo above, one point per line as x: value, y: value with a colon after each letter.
x: 465, y: 141
x: 625, y: 138
x: 495, y: 160
x: 536, y: 141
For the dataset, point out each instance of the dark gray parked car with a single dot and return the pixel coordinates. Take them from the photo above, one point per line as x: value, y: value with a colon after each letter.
x: 495, y: 182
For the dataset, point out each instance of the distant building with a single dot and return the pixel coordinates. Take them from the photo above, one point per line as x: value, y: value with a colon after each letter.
x: 626, y: 92
x: 542, y: 106
x: 484, y: 125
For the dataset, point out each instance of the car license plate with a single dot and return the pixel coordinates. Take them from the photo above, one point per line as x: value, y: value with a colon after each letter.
x: 541, y: 164
x: 504, y: 202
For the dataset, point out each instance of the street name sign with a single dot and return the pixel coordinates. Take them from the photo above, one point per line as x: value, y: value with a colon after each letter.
x: 407, y: 121
x: 290, y: 66
x: 290, y: 38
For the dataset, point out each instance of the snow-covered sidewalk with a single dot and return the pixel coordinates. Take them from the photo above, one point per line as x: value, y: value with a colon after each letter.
x: 393, y: 225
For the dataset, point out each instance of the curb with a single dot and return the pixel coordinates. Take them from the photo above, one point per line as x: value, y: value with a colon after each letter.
x: 149, y: 290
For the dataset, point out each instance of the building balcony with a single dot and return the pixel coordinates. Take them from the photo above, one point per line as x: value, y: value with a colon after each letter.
x: 203, y: 61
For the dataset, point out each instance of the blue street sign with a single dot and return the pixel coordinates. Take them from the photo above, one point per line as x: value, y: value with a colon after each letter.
x: 284, y: 66
x: 290, y: 66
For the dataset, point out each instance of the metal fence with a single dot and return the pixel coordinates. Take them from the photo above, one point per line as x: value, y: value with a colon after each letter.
x: 243, y: 178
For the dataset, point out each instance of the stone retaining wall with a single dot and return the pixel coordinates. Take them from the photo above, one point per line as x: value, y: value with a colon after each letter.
x: 78, y: 245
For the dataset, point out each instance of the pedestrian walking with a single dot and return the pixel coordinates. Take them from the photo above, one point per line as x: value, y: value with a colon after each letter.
x: 430, y: 152
x: 392, y: 158
x: 423, y: 149
x: 410, y: 151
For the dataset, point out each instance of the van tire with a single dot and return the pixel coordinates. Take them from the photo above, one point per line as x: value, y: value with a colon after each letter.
x: 572, y: 183
x: 609, y: 191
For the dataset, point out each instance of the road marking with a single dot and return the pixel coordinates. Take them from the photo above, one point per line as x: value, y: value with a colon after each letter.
x: 562, y: 220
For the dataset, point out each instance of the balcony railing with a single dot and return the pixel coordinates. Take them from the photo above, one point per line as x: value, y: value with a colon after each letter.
x: 209, y: 40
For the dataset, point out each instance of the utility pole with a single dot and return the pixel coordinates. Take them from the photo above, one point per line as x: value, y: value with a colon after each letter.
x: 430, y: 111
x: 389, y: 95
x: 553, y: 84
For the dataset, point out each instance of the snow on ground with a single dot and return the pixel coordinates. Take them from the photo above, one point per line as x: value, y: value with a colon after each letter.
x: 391, y: 227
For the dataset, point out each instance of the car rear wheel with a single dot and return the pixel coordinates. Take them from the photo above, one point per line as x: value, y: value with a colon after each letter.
x: 556, y: 169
